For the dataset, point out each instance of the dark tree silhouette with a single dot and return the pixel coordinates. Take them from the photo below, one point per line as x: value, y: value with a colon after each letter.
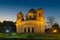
x: 56, y: 25
x: 1, y: 27
x: 9, y: 25
x: 1, y: 24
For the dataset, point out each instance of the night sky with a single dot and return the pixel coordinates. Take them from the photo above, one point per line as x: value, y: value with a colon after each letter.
x: 10, y: 8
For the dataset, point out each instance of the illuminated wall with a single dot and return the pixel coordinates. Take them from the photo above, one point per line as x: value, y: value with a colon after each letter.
x: 31, y: 26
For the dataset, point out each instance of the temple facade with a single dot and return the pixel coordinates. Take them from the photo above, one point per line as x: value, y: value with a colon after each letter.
x: 33, y: 22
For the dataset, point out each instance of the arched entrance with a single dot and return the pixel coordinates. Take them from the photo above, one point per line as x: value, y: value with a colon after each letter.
x: 28, y: 29
x: 32, y: 30
x: 24, y: 30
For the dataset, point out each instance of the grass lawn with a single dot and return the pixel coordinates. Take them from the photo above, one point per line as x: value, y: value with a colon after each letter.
x: 37, y: 36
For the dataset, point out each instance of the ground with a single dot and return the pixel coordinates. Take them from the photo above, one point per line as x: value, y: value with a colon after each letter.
x: 36, y: 36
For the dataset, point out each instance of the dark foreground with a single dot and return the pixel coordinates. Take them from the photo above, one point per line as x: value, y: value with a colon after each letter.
x: 14, y: 36
x: 24, y: 39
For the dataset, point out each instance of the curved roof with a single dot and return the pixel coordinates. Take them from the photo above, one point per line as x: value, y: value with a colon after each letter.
x: 32, y: 10
x: 39, y: 9
x: 20, y: 13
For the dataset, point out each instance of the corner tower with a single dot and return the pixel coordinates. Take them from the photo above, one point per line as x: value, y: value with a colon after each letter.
x: 20, y: 18
x: 39, y: 14
x: 40, y: 22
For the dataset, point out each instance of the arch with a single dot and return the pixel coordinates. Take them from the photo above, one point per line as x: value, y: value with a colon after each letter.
x: 28, y: 30
x: 24, y: 30
x: 32, y: 30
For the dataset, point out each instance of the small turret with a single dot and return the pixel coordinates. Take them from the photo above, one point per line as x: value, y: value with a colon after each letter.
x: 20, y: 16
x: 39, y: 14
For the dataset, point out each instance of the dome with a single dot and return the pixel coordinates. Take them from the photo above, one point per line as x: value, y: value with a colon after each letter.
x: 20, y: 13
x: 32, y: 10
x: 39, y: 9
x: 20, y: 16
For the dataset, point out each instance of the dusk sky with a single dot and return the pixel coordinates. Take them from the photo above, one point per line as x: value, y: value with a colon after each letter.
x: 10, y: 8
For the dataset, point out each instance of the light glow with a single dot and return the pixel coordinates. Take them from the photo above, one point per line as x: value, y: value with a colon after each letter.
x: 54, y: 31
x: 7, y: 31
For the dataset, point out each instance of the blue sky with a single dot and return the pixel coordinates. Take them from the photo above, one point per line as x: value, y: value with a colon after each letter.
x: 9, y: 8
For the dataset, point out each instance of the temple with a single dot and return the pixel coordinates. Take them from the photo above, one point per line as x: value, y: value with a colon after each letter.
x: 34, y: 22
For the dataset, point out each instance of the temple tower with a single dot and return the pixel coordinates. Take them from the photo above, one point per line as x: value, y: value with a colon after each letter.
x: 20, y: 18
x: 40, y: 22
x: 31, y: 14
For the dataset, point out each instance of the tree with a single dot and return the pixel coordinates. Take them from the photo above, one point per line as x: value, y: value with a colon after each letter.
x: 51, y: 20
x: 56, y: 26
x: 0, y: 24
x: 9, y: 25
x: 1, y: 27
